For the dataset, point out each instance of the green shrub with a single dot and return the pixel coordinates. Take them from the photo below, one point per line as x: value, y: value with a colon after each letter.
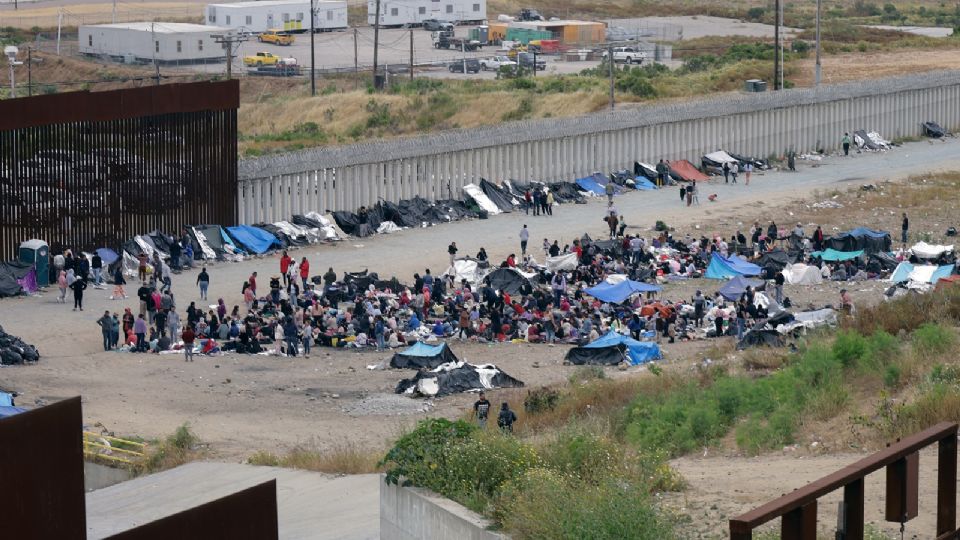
x: 756, y: 14
x: 418, y: 455
x: 587, y: 373
x: 849, y: 347
x: 882, y: 348
x: 479, y: 465
x: 949, y: 374
x: 588, y: 456
x: 933, y: 338
x: 891, y: 376
x: 541, y: 400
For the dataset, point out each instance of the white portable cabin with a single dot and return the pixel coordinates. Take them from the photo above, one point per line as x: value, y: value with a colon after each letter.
x: 413, y: 12
x: 167, y: 43
x: 289, y: 15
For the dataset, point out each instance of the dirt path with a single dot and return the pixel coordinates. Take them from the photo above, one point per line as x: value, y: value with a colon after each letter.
x: 244, y: 403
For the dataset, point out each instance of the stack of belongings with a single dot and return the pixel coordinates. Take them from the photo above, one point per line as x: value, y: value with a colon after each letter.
x: 323, y: 227
x: 14, y: 351
x: 871, y: 142
x: 758, y: 163
x: 442, y: 373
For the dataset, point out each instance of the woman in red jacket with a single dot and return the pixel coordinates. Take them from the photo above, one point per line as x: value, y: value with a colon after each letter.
x: 304, y: 272
x: 285, y: 261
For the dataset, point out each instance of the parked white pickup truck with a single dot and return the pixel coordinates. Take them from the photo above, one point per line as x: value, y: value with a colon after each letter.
x: 629, y: 55
x: 495, y: 62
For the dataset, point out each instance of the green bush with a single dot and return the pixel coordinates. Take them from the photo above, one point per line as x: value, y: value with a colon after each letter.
x: 588, y: 456
x: 417, y: 456
x: 882, y: 348
x: 756, y: 14
x: 891, y: 376
x: 479, y: 465
x: 541, y: 400
x: 849, y: 347
x: 933, y: 338
x: 587, y: 373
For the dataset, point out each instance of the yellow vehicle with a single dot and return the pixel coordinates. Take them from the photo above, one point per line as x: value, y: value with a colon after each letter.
x: 261, y: 59
x: 275, y: 36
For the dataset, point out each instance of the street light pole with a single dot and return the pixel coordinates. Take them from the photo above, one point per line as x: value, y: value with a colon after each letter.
x: 817, y: 69
x: 313, y: 54
x: 610, y: 67
x: 376, y: 45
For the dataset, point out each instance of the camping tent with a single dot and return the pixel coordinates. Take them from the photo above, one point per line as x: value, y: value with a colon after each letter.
x: 833, y: 255
x: 737, y: 286
x: 645, y: 170
x: 253, y: 240
x: 613, y: 348
x: 726, y: 267
x: 596, y: 184
x: 713, y: 162
x: 619, y: 292
x: 455, y: 377
x: 907, y: 272
x: 421, y: 355
x: 923, y: 250
x: 484, y: 202
x: 685, y: 170
x: 802, y: 274
x: 861, y: 238
x: 508, y: 280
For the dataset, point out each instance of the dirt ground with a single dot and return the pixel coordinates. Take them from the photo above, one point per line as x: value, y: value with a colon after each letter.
x: 875, y: 65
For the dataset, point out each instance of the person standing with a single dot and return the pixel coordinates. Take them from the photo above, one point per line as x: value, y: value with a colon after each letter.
x: 726, y: 172
x: 305, y: 272
x: 904, y: 228
x: 252, y: 282
x: 142, y: 267
x: 203, y: 280
x: 378, y: 331
x: 527, y: 201
x: 846, y: 144
x: 96, y: 266
x: 62, y: 284
x: 140, y: 330
x: 747, y: 170
x: 307, y: 337
x: 285, y: 261
x: 290, y: 336
x: 452, y: 251
x: 481, y: 410
x: 818, y: 239
x: 524, y: 237
x: 683, y: 193
x: 79, y: 285
x: 173, y: 322
x: 188, y: 336
x: 118, y: 283
x: 506, y: 418
x: 778, y: 281
x: 536, y: 202
x: 609, y: 189
x: 734, y: 170
x: 114, y: 330
x: 559, y: 286
x: 106, y: 325
x: 662, y: 171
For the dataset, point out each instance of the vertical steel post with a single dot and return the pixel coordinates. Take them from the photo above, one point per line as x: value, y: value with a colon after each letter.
x: 610, y: 67
x: 853, y: 510
x: 947, y: 485
x: 313, y: 53
x: 776, y: 46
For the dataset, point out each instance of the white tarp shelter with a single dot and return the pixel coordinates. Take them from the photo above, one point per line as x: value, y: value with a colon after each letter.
x: 562, y: 263
x: 720, y: 157
x: 923, y: 250
x: 474, y: 192
x: 802, y: 274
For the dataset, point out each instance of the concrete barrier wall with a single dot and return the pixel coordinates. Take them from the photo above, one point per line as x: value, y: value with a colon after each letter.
x: 419, y: 514
x: 437, y: 166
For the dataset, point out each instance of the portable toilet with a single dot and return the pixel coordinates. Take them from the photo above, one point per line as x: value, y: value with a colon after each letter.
x: 37, y: 253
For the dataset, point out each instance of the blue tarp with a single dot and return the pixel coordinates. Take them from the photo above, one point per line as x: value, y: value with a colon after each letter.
x: 422, y: 349
x: 6, y: 400
x: 728, y: 267
x: 734, y: 288
x: 605, y: 292
x: 254, y: 239
x: 831, y: 254
x: 638, y: 352
x: 940, y: 273
x: 596, y: 183
x: 108, y: 256
x: 643, y: 184
x: 904, y: 269
x: 863, y: 231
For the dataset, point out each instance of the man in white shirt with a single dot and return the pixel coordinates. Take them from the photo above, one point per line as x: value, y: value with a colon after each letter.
x: 524, y: 236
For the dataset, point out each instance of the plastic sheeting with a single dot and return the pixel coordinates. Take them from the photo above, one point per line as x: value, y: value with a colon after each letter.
x: 474, y: 192
x: 508, y: 280
x: 733, y: 289
x: 834, y: 255
x: 727, y: 267
x: 802, y: 274
x: 923, y: 250
x: 456, y: 377
x: 617, y: 293
x: 499, y: 197
x: 868, y: 240
x: 686, y: 171
x: 465, y: 269
x: 420, y: 355
x: 613, y: 348
x: 928, y: 274
x: 253, y: 239
x: 562, y: 263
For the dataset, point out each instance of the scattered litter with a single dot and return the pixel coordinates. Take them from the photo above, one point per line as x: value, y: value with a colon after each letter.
x: 827, y: 204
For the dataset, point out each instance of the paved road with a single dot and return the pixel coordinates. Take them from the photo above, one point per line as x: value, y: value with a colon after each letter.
x: 310, y: 505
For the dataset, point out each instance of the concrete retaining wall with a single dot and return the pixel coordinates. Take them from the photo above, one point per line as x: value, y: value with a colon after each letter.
x: 437, y: 166
x: 97, y: 476
x: 420, y: 514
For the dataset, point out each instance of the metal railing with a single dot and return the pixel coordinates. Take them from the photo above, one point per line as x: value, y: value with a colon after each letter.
x: 108, y: 448
x: 798, y: 510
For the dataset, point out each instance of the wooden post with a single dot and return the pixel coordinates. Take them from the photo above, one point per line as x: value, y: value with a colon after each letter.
x: 853, y: 510
x: 800, y: 524
x: 947, y: 485
x: 903, y: 482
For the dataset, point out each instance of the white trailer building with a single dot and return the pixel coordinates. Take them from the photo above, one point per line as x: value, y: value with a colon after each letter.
x: 289, y: 15
x: 163, y: 42
x: 413, y: 12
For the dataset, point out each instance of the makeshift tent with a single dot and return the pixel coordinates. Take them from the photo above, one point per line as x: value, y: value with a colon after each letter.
x: 14, y: 350
x: 503, y: 201
x: 923, y: 250
x: 761, y: 335
x: 871, y: 141
x: 508, y: 280
x: 775, y: 259
x: 252, y: 239
x: 10, y: 411
x: 881, y: 262
x: 726, y: 267
x: 684, y: 170
x: 758, y: 163
x: 566, y: 192
x: 465, y: 269
x: 613, y: 348
x: 833, y: 255
x: 326, y: 226
x: 108, y: 256
x: 861, y: 238
x: 456, y: 377
x: 562, y: 263
x: 802, y: 274
x: 299, y: 234
x: 484, y: 202
x: 643, y: 184
x: 645, y: 170
x: 421, y: 355
x: 591, y: 184
x: 282, y: 237
x: 933, y: 129
x: 733, y: 289
x: 351, y: 224
x: 619, y: 292
x: 9, y: 286
x: 714, y: 161
x: 920, y: 274
x: 23, y: 274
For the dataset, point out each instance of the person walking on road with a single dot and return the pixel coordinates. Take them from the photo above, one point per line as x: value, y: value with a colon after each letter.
x: 203, y: 280
x: 305, y: 272
x: 683, y: 193
x: 140, y: 330
x: 747, y: 170
x: 734, y: 170
x: 78, y: 286
x: 118, y: 283
x: 846, y: 144
x: 524, y: 237
x: 904, y: 228
x: 188, y: 337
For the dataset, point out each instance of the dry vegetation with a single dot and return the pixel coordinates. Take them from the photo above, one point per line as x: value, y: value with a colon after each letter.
x: 344, y: 459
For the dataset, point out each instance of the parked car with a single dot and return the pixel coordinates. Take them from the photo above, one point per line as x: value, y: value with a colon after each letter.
x: 495, y: 62
x: 472, y: 66
x: 433, y: 25
x: 261, y: 59
x: 526, y: 60
x: 275, y: 36
x: 629, y: 55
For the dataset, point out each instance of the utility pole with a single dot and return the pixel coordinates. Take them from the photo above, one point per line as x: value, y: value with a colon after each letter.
x: 227, y: 41
x: 356, y: 64
x: 817, y: 69
x: 376, y: 45
x: 153, y: 36
x: 534, y: 62
x: 114, y: 17
x: 610, y: 67
x: 411, y: 55
x: 776, y: 45
x: 463, y: 51
x: 313, y: 54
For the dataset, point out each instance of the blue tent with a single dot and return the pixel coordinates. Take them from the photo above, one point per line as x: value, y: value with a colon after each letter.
x: 254, y: 239
x: 638, y: 352
x: 108, y: 256
x: 831, y: 254
x: 616, y: 293
x: 420, y: 355
x: 10, y: 411
x: 591, y: 185
x: 737, y: 286
x: 643, y: 184
x: 728, y: 267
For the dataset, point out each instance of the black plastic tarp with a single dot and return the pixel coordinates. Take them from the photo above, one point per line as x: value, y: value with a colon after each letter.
x: 495, y: 194
x: 350, y: 224
x: 459, y: 379
x: 879, y: 262
x: 285, y: 240
x: 9, y: 285
x: 761, y: 336
x: 507, y: 280
x: 601, y: 356
x: 640, y: 170
x: 423, y: 357
x: 869, y: 241
x: 933, y: 129
x: 757, y: 163
x: 14, y: 350
x: 566, y: 192
x: 777, y: 259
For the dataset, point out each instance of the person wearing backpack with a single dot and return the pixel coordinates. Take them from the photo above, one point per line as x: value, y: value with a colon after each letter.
x: 506, y: 418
